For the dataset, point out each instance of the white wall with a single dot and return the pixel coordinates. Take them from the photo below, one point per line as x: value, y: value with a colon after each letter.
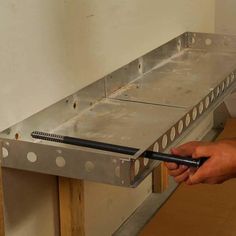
x: 51, y: 48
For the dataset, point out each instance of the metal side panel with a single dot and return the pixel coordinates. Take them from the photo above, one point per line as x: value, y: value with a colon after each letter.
x: 151, y: 103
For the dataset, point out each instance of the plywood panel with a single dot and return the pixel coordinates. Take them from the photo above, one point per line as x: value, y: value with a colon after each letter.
x: 2, y: 226
x: 160, y: 179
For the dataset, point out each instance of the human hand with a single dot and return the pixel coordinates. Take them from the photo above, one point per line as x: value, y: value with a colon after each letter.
x: 220, y: 166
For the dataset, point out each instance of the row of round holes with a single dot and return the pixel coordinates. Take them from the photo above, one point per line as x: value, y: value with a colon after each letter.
x: 180, y: 128
x: 60, y: 161
x: 208, y: 41
x: 195, y: 112
x: 89, y: 166
x: 164, y: 141
x: 225, y: 84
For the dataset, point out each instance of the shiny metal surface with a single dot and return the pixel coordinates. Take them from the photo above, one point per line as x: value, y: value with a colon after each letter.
x: 151, y: 103
x: 212, y: 42
x: 183, y: 81
x: 80, y: 163
x: 118, y: 122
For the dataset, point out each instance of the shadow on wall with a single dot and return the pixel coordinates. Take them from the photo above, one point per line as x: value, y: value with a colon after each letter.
x: 231, y: 104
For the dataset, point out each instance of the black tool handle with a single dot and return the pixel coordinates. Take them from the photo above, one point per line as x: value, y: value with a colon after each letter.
x: 188, y: 161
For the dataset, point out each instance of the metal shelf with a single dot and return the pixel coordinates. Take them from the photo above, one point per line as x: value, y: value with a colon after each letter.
x: 150, y: 103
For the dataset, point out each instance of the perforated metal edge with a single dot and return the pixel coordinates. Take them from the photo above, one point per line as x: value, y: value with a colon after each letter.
x: 91, y: 95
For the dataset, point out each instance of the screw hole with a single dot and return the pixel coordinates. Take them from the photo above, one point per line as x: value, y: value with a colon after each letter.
x: 164, y: 141
x: 7, y: 143
x: 223, y: 87
x: 17, y: 136
x: 179, y: 44
x: 212, y: 96
x: 180, y: 126
x: 201, y: 107
x: 194, y: 114
x: 145, y: 161
x: 89, y: 166
x: 227, y: 82
x: 208, y: 42
x: 187, y: 120
x: 172, y: 134
x: 136, y: 167
x: 5, y: 152
x: 232, y: 77
x: 207, y: 102
x: 60, y: 161
x: 32, y: 157
x: 217, y: 91
x: 156, y: 147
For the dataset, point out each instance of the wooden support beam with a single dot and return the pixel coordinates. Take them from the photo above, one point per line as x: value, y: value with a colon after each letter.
x: 2, y: 226
x: 160, y: 179
x: 71, y: 200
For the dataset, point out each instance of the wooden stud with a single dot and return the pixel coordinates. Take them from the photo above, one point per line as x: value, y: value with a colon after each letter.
x: 71, y: 200
x: 160, y: 179
x: 2, y: 227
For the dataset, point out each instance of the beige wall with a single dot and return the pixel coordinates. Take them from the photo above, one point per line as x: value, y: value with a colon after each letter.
x: 51, y: 48
x: 225, y: 16
x: 30, y: 204
x: 226, y: 24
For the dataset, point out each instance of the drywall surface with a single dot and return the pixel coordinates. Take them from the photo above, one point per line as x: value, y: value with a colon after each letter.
x: 52, y: 48
x: 107, y: 207
x: 225, y: 24
x: 30, y: 204
x: 225, y: 16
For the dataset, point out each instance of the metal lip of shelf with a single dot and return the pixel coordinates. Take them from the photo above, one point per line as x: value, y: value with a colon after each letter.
x: 151, y: 103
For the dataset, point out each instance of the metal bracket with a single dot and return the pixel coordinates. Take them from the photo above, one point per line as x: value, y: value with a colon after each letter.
x: 151, y: 103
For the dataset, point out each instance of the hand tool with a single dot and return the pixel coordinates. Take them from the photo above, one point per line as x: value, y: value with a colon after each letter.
x: 187, y: 161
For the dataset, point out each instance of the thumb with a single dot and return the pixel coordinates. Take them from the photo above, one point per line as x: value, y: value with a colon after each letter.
x: 186, y: 149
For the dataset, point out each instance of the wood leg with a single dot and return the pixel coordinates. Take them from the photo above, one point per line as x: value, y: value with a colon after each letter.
x: 160, y: 179
x: 2, y: 227
x: 71, y: 200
